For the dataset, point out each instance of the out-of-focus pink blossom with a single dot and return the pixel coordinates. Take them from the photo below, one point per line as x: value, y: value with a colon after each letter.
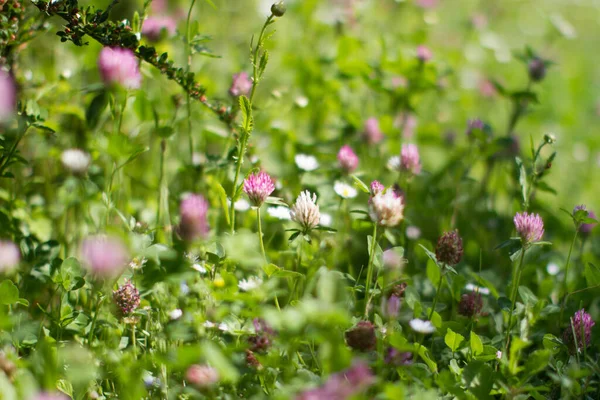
x: 372, y: 133
x: 424, y: 54
x: 347, y: 158
x: 119, y: 66
x: 104, y: 256
x: 409, y: 159
x: 193, y: 210
x: 153, y: 27
x: 8, y: 96
x: 9, y: 256
x: 240, y: 85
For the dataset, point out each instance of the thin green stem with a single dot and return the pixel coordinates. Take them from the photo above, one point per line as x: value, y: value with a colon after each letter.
x: 189, y: 67
x: 513, y: 297
x: 163, y: 147
x: 435, y: 299
x: 260, y: 235
x: 370, y: 270
x: 566, y: 288
x: 96, y: 312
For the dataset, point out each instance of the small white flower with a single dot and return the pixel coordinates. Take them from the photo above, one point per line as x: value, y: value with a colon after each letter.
x: 279, y: 212
x: 75, y: 160
x: 306, y: 211
x: 137, y: 263
x: 394, y: 163
x: 241, y: 205
x: 344, y: 190
x: 413, y: 232
x: 175, y: 314
x: 224, y: 327
x: 184, y: 288
x: 387, y: 209
x: 498, y: 354
x: 474, y: 288
x: 325, y: 220
x: 192, y: 257
x: 200, y: 267
x: 198, y: 159
x: 552, y: 268
x: 209, y: 324
x: 421, y: 326
x: 301, y: 101
x: 249, y: 284
x: 306, y: 162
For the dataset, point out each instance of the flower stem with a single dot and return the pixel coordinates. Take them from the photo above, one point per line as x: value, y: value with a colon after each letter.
x: 435, y: 299
x: 513, y: 297
x: 96, y: 311
x: 189, y: 67
x: 370, y: 270
x: 566, y: 286
x: 260, y: 235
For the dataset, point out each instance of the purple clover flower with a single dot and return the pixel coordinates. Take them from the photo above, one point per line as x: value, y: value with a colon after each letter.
x: 530, y: 227
x: 582, y: 324
x: 258, y: 187
x: 409, y: 159
x: 240, y: 85
x: 119, y: 66
x: 347, y: 159
x: 194, y: 224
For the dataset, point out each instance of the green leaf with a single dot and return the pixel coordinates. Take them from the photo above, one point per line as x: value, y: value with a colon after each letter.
x: 360, y: 184
x: 453, y: 339
x: 9, y: 293
x: 215, y: 358
x: 95, y: 109
x: 522, y: 179
x: 270, y: 269
x: 527, y: 296
x: 430, y: 254
x: 592, y: 274
x: 537, y: 361
x: 247, y: 117
x: 433, y: 273
x: 476, y: 344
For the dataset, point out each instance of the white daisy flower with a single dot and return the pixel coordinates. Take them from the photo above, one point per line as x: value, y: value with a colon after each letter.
x: 344, y: 190
x: 422, y: 326
x: 175, y: 314
x: 249, y: 284
x: 553, y: 268
x: 474, y: 288
x: 279, y: 212
x: 325, y: 220
x: 76, y: 160
x: 306, y: 162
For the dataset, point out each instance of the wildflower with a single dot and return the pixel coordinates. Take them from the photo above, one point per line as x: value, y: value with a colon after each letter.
x: 421, y: 326
x: 250, y: 284
x: 344, y: 190
x: 499, y: 355
x: 75, y: 160
x: 470, y: 304
x: 127, y: 298
x: 154, y: 26
x: 537, y: 69
x: 376, y: 188
x: 175, y: 314
x: 386, y: 209
x: 342, y: 385
x: 427, y: 3
x: 258, y: 187
x: 391, y: 306
x: 119, y: 66
x: 193, y: 210
x: 474, y: 288
x: 473, y: 125
x: 301, y: 101
x: 306, y: 162
x: 347, y: 159
x: 413, y: 232
x: 585, y: 228
x: 201, y: 375
x: 582, y: 324
x: 8, y: 98
x: 362, y: 336
x: 449, y: 249
x: 325, y: 219
x: 393, y: 163
x: 530, y: 227
x: 240, y: 85
x: 279, y: 212
x: 251, y: 360
x: 392, y: 259
x: 306, y: 211
x: 104, y: 256
x: 396, y: 358
x: 10, y: 256
x: 424, y: 54
x: 409, y: 159
x: 372, y: 132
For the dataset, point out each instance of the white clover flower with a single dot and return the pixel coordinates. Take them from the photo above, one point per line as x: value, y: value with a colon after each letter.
x: 344, y: 190
x: 498, y: 354
x: 175, y: 314
x: 279, y: 212
x: 306, y: 162
x: 325, y: 220
x: 306, y: 211
x: 552, y: 268
x: 387, y: 209
x: 241, y: 205
x: 474, y: 288
x: 249, y: 284
x: 200, y: 267
x: 138, y: 263
x: 422, y: 326
x: 413, y: 232
x: 394, y: 163
x: 76, y: 160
